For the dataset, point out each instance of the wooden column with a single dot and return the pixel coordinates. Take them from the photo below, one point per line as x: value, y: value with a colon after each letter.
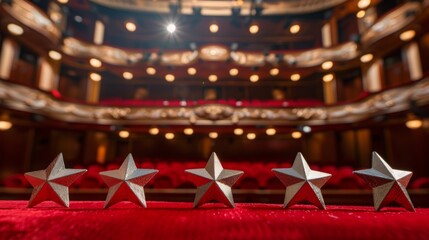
x: 9, y: 55
x: 92, y: 91
x: 48, y: 74
x: 411, y: 57
x: 99, y: 32
x: 372, y: 76
x: 330, y: 91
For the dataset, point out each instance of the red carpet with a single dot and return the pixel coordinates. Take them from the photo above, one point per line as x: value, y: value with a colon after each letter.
x: 161, y: 220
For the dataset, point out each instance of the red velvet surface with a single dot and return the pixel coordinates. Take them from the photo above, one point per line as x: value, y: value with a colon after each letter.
x: 170, y: 220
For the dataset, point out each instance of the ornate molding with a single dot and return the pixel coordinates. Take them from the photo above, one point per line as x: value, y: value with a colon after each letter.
x: 393, y: 100
x: 223, y: 7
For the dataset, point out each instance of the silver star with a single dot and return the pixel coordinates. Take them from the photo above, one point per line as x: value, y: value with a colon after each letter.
x: 52, y: 183
x: 216, y: 182
x: 127, y: 183
x: 389, y: 185
x: 302, y: 183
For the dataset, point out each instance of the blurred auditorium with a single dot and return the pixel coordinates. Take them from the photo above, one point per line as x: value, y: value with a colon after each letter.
x: 256, y: 81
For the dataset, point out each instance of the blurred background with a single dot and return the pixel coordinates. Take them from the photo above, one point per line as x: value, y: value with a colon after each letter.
x: 254, y: 81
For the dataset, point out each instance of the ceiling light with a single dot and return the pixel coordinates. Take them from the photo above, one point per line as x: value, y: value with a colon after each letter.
x: 327, y: 65
x: 213, y: 135
x: 214, y: 28
x: 270, y: 131
x: 78, y: 18
x: 169, y: 78
x: 363, y: 4
x: 296, y: 134
x: 150, y: 70
x: 295, y: 77
x: 254, y: 78
x: 306, y: 129
x: 294, y: 28
x: 63, y: 1
x: 188, y: 131
x: 414, y: 124
x: 169, y: 136
x: 212, y: 78
x: 94, y: 62
x: 55, y: 16
x: 130, y: 26
x: 5, y: 125
x: 328, y: 77
x: 15, y: 29
x: 274, y: 72
x: 253, y: 29
x: 366, y: 58
x: 238, y: 131
x: 55, y: 55
x: 192, y: 71
x: 407, y: 35
x: 360, y: 14
x: 171, y: 28
x: 233, y: 72
x: 251, y: 136
x: 153, y: 131
x: 95, y: 77
x: 124, y: 134
x: 127, y: 75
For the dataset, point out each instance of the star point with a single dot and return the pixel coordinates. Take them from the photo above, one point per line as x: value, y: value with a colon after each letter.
x: 302, y: 183
x: 214, y: 182
x: 52, y: 183
x: 388, y: 184
x: 127, y: 183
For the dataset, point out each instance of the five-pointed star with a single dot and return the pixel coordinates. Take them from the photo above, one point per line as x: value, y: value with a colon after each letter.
x: 127, y: 183
x: 388, y: 184
x: 52, y: 183
x: 302, y: 183
x: 215, y: 181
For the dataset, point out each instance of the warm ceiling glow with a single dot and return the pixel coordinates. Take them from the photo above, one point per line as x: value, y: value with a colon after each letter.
x: 296, y: 135
x: 55, y: 55
x: 360, y: 14
x: 270, y: 131
x: 238, y: 131
x: 55, y: 16
x: 95, y: 62
x: 213, y: 135
x: 407, y: 35
x: 15, y: 29
x: 153, y: 131
x: 130, y: 26
x: 328, y: 77
x: 366, y: 58
x: 63, y: 1
x: 363, y: 4
x: 5, y: 125
x: 306, y: 129
x: 327, y: 65
x: 150, y: 70
x: 212, y: 78
x: 171, y: 28
x: 192, y: 71
x: 251, y: 136
x: 233, y: 72
x: 95, y: 77
x: 127, y: 75
x: 294, y: 28
x: 169, y: 78
x: 414, y: 124
x: 295, y: 77
x: 274, y: 71
x: 253, y: 29
x: 188, y: 131
x: 254, y: 78
x: 214, y: 28
x: 124, y: 134
x: 169, y: 136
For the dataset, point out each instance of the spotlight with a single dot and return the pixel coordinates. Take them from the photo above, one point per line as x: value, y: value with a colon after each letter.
x: 238, y: 131
x: 214, y: 28
x: 251, y: 136
x: 55, y: 55
x: 127, y: 75
x: 253, y: 29
x: 171, y: 28
x: 169, y: 136
x: 153, y: 131
x: 233, y: 72
x: 188, y: 131
x: 295, y: 77
x: 366, y: 58
x: 124, y: 134
x: 296, y: 134
x: 213, y: 135
x: 15, y: 29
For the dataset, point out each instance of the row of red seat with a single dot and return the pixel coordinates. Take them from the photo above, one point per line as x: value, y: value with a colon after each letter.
x: 257, y: 175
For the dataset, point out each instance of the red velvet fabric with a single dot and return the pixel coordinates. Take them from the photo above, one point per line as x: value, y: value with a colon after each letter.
x: 171, y: 220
